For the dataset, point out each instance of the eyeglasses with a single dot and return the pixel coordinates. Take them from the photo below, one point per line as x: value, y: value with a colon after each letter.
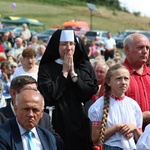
x: 65, y: 44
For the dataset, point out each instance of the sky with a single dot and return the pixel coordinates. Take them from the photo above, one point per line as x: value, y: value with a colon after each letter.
x: 142, y: 6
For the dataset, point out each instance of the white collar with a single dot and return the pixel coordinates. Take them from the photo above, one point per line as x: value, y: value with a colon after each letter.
x: 12, y: 107
x: 59, y: 61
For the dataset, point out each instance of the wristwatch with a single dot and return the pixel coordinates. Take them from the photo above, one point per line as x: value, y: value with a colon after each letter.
x: 74, y: 77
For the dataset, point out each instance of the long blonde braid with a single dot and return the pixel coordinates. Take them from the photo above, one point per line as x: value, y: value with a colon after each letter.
x: 107, y: 90
x: 105, y: 114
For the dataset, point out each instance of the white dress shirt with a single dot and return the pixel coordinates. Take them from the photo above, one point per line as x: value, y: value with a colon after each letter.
x: 36, y: 139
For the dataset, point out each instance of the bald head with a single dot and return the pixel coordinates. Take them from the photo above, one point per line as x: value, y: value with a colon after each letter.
x: 19, y: 40
x: 29, y: 108
x: 29, y: 95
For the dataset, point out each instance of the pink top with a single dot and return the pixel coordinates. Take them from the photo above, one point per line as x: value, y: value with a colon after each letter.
x: 93, y: 49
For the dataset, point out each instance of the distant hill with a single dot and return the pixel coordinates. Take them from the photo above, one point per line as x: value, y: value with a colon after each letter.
x: 55, y: 15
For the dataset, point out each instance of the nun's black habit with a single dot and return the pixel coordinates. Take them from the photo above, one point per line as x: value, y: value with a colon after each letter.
x: 68, y: 97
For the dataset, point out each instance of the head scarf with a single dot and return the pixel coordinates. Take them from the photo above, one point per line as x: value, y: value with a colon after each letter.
x: 52, y: 50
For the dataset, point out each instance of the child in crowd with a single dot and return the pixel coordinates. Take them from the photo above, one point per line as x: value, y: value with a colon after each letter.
x: 93, y: 47
x: 116, y: 119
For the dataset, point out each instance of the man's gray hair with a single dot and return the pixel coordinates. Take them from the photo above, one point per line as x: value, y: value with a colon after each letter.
x: 128, y: 40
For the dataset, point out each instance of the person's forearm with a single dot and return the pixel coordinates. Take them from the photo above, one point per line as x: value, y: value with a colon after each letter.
x: 137, y: 134
x: 110, y: 131
x: 146, y: 118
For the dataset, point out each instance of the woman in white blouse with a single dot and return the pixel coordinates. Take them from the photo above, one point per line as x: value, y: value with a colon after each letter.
x: 28, y: 62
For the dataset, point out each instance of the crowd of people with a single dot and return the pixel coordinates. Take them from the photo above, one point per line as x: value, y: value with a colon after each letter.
x: 74, y: 95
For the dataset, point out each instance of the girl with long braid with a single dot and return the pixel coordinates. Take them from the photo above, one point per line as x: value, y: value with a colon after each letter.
x: 116, y: 119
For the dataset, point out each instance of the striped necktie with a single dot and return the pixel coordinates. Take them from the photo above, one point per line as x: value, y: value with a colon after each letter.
x: 29, y: 135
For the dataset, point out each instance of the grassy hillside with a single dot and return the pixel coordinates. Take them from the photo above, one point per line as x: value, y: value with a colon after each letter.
x: 53, y: 15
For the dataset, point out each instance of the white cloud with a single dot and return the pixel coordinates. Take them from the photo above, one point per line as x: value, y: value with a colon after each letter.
x: 142, y: 6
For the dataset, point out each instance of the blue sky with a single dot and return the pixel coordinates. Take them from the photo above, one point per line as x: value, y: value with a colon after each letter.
x: 142, y: 6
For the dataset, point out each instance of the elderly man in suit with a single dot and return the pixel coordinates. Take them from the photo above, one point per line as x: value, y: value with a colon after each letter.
x: 19, y: 84
x: 29, y: 108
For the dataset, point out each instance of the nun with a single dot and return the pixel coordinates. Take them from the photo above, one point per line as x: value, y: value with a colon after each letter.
x: 65, y: 81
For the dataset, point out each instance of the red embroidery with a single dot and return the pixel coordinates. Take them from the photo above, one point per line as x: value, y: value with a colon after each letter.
x: 117, y: 98
x: 96, y: 123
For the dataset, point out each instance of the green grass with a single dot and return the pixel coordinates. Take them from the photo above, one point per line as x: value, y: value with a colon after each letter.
x: 55, y: 15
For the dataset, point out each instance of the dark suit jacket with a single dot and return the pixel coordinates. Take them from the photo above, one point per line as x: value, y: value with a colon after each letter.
x: 6, y: 113
x: 10, y: 138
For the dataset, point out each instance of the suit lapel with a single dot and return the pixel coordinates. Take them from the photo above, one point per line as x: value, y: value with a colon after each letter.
x: 16, y: 134
x: 42, y: 138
